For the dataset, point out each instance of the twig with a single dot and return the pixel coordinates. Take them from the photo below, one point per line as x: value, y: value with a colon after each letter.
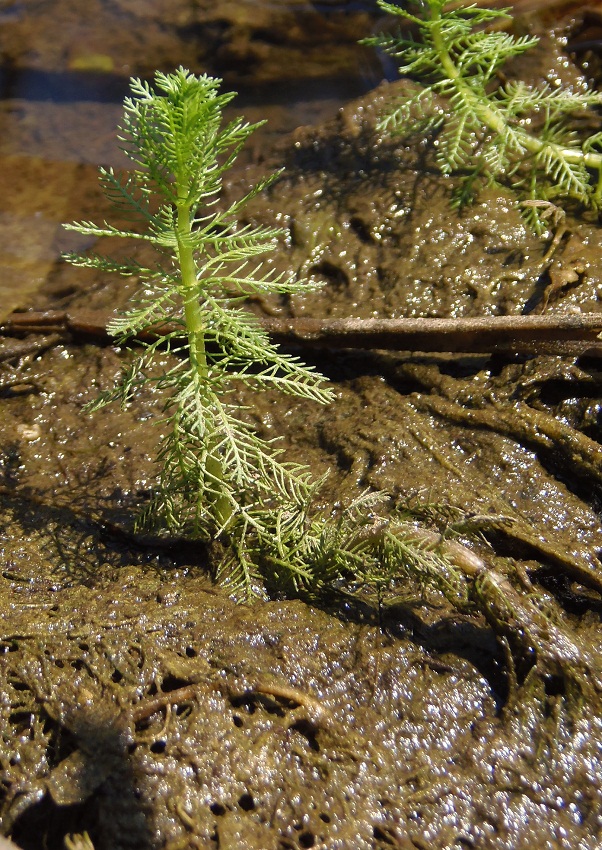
x: 17, y: 350
x: 569, y: 334
x: 144, y: 710
x: 295, y: 695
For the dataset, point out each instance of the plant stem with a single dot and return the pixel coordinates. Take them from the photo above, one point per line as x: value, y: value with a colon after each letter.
x: 195, y: 328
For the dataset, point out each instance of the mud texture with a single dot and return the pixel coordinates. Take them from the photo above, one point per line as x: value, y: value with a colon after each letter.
x: 139, y: 704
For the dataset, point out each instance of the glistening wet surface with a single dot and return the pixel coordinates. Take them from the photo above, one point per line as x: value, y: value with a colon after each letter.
x: 139, y: 703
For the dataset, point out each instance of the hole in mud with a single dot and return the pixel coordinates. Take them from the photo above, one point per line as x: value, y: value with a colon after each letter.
x: 191, y: 652
x: 172, y: 683
x: 158, y: 747
x: 238, y: 721
x: 383, y: 836
x: 116, y: 676
x: 245, y: 702
x: 217, y: 809
x: 20, y: 686
x: 51, y: 821
x: 324, y: 817
x: 360, y: 227
x: 246, y: 802
x: 576, y: 598
x: 251, y: 701
x: 305, y: 728
x: 306, y: 839
x: 20, y: 719
x: 555, y: 686
x: 333, y: 275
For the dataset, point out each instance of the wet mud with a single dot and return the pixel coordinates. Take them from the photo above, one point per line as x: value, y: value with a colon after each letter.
x: 142, y: 705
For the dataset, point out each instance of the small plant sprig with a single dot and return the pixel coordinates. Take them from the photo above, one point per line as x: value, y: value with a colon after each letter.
x: 488, y: 131
x: 219, y: 481
x: 218, y: 478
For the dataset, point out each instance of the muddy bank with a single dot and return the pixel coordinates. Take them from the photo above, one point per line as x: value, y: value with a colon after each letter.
x: 142, y: 705
x: 171, y: 717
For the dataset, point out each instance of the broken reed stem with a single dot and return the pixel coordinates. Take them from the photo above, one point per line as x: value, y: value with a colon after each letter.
x: 563, y: 334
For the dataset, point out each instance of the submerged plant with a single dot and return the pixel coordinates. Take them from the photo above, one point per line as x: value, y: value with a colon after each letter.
x: 486, y: 130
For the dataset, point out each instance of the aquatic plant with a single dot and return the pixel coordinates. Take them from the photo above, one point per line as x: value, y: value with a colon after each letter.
x: 218, y: 480
x: 217, y: 476
x: 487, y: 130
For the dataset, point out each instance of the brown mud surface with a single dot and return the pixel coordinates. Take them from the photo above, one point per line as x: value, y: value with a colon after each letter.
x: 142, y: 705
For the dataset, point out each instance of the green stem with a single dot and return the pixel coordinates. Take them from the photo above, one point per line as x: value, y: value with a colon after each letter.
x: 195, y: 328
x: 493, y: 118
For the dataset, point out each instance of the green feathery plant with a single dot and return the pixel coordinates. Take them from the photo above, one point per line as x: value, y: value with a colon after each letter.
x: 489, y: 131
x: 217, y: 476
x: 219, y: 481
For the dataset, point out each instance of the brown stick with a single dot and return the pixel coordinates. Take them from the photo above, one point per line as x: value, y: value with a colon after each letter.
x: 553, y: 334
x: 571, y: 334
